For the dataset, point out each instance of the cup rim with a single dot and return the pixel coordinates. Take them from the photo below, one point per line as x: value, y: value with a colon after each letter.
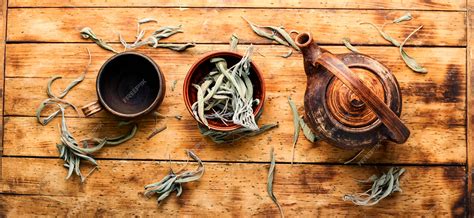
x: 161, y: 92
x: 202, y: 60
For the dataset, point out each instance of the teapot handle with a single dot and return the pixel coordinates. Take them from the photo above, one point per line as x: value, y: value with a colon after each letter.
x: 398, y: 131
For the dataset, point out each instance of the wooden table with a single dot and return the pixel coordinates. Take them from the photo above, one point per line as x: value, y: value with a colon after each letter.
x: 41, y: 39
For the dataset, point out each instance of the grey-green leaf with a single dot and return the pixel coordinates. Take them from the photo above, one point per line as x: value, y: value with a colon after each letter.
x: 348, y: 45
x: 405, y: 17
x: 409, y: 61
x: 385, y: 35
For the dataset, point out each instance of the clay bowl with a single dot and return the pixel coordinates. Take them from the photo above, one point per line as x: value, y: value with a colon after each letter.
x: 202, y: 67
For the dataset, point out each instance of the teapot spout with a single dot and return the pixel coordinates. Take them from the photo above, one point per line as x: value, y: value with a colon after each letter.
x: 310, y: 51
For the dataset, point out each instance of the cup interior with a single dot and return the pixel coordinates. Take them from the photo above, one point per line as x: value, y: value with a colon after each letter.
x: 129, y: 84
x: 202, y: 68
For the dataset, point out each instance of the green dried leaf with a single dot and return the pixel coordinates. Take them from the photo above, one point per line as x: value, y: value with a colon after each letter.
x: 355, y: 157
x: 296, y: 126
x: 271, y: 174
x: 155, y: 132
x: 348, y: 45
x: 122, y: 138
x: 405, y: 17
x: 287, y: 55
x: 173, y: 85
x: 384, y: 34
x: 409, y: 61
x: 87, y: 33
x: 382, y: 187
x: 173, y: 182
x: 307, y: 131
x: 234, y: 40
x: 72, y: 84
x: 51, y: 101
x: 147, y: 20
x: 285, y: 35
x: 259, y: 31
x: 175, y: 47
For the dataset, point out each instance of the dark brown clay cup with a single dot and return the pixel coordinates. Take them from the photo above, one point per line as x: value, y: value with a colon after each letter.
x: 128, y: 85
x: 203, y: 66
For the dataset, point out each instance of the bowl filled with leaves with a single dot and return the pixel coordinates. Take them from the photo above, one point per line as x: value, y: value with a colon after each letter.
x: 225, y: 91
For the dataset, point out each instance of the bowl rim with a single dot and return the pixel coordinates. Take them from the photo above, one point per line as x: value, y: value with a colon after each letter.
x: 191, y: 72
x: 161, y: 91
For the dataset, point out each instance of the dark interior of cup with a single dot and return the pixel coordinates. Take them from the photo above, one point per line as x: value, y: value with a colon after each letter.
x: 129, y: 84
x: 204, y: 66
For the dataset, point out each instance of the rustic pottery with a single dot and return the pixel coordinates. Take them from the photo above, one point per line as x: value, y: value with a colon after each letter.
x: 202, y: 67
x: 351, y: 100
x: 128, y: 85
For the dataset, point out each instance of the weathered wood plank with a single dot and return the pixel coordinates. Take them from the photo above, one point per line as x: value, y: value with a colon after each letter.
x: 432, y: 104
x: 352, y: 4
x: 208, y: 25
x: 427, y: 145
x: 225, y: 189
x: 470, y: 106
x: 3, y: 33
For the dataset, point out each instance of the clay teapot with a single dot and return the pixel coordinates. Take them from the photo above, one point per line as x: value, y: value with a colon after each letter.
x: 351, y: 100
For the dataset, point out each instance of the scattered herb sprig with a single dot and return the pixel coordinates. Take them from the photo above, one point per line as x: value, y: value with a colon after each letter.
x: 87, y: 33
x: 349, y: 46
x: 174, y: 181
x: 296, y: 126
x: 382, y: 187
x: 274, y: 33
x: 154, y: 39
x: 70, y: 150
x: 409, y: 61
x: 271, y: 175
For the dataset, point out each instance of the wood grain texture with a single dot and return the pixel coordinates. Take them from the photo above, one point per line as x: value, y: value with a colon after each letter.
x: 3, y: 32
x: 352, y: 4
x: 434, y: 105
x: 216, y: 25
x: 39, y: 188
x: 470, y: 106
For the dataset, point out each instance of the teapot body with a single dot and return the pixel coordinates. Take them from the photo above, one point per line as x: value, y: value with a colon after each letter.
x: 349, y: 128
x: 341, y: 114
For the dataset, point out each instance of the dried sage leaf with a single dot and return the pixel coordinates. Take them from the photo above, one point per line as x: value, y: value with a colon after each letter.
x: 348, y: 45
x: 285, y: 35
x: 234, y: 40
x: 287, y: 55
x: 147, y: 20
x: 382, y: 187
x: 87, y: 33
x: 409, y: 61
x: 355, y: 156
x: 173, y: 85
x: 155, y: 132
x: 175, y: 47
x: 259, y: 30
x: 51, y: 101
x: 405, y: 17
x: 385, y: 35
x: 173, y: 181
x: 72, y: 84
x: 307, y: 131
x: 296, y: 126
x: 271, y: 175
